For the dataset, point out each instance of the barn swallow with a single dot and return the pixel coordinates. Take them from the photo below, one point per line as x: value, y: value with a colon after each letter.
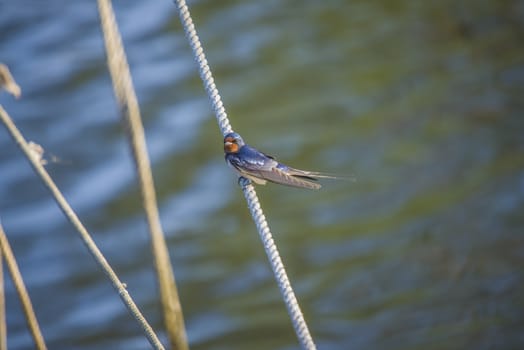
x: 260, y: 167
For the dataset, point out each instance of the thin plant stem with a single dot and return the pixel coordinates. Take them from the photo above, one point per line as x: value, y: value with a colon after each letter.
x: 21, y: 290
x: 36, y: 162
x: 130, y: 113
x: 3, y: 327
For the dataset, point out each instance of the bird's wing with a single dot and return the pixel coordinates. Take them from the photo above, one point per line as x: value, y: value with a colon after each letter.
x: 282, y: 177
x: 268, y: 169
x: 250, y: 159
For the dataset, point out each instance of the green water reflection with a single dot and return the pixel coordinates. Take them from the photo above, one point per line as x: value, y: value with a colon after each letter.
x: 422, y: 102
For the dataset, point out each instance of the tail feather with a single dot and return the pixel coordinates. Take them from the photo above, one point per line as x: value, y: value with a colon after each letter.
x: 315, y: 175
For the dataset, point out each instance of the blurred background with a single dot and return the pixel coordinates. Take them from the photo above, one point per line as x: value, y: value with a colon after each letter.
x: 421, y: 101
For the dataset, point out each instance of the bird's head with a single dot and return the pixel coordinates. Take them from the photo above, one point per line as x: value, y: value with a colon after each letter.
x: 233, y: 142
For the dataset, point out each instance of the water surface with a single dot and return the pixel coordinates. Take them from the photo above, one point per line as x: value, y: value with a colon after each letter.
x: 420, y: 101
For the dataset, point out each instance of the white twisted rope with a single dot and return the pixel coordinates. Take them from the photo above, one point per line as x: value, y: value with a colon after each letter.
x: 293, y: 308
x: 203, y: 67
x: 276, y: 264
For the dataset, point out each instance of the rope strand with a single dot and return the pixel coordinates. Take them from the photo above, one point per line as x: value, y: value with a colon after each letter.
x: 203, y: 67
x: 276, y: 264
x: 293, y: 308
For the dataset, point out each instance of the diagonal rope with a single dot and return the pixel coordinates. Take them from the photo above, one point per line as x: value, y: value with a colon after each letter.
x: 130, y: 112
x: 203, y: 67
x: 276, y: 264
x: 293, y: 308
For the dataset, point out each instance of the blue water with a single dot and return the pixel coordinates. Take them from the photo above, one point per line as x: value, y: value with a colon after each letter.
x: 421, y: 102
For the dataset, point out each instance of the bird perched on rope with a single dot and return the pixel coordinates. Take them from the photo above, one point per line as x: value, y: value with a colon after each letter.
x: 260, y: 167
